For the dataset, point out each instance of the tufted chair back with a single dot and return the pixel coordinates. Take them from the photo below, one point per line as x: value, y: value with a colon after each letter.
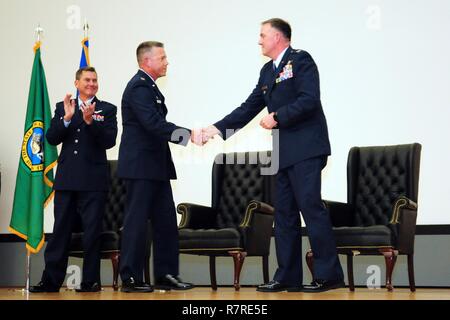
x: 236, y: 181
x: 240, y: 219
x: 377, y: 176
x: 115, y: 205
x: 380, y: 215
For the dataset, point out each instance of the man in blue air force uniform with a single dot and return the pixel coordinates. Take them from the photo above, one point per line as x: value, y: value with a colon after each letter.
x: 289, y: 87
x: 146, y: 165
x: 86, y: 127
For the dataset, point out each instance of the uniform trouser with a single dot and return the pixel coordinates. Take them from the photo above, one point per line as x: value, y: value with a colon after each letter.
x: 67, y: 204
x: 149, y: 199
x: 298, y: 189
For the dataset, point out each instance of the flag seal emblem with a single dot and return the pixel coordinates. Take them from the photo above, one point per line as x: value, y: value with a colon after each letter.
x: 32, y: 147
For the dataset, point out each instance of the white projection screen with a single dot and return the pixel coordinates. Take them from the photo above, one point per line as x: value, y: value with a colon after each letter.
x: 384, y: 69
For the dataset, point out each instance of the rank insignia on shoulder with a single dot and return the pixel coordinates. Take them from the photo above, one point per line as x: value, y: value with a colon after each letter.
x: 298, y: 50
x: 142, y: 78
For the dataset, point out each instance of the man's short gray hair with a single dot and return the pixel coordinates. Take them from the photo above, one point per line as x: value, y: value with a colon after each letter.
x: 145, y: 47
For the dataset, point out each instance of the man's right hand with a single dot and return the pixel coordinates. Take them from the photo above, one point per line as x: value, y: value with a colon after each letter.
x: 209, y: 133
x: 69, y: 107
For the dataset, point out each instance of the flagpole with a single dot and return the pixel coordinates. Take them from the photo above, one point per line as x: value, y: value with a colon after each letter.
x: 26, y: 291
x: 86, y: 28
x: 27, y: 287
x: 39, y: 31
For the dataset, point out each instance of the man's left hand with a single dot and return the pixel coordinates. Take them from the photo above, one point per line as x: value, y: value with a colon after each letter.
x: 88, y: 111
x: 268, y: 121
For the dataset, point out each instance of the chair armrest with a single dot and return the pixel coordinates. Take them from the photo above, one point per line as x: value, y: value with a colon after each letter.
x: 341, y: 213
x: 400, y: 204
x: 255, y: 207
x: 403, y: 219
x: 256, y: 227
x: 194, y: 216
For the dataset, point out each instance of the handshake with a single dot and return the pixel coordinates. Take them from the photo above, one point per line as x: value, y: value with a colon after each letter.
x: 201, y: 136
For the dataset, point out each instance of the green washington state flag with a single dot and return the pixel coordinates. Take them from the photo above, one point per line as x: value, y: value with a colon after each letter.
x: 34, y: 179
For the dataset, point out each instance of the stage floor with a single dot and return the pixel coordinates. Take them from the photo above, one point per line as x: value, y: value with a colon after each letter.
x: 228, y: 293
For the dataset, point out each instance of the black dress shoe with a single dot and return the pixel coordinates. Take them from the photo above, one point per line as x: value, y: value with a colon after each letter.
x: 130, y: 285
x: 295, y: 289
x: 170, y: 282
x: 43, y: 287
x: 323, y: 285
x: 89, y: 287
x: 272, y: 286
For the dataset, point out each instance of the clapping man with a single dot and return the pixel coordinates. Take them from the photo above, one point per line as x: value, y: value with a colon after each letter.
x: 86, y: 127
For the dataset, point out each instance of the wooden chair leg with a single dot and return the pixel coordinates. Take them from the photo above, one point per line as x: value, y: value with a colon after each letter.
x: 412, y: 282
x: 351, y: 281
x: 212, y: 272
x: 115, y: 265
x: 310, y: 261
x: 390, y: 257
x: 238, y: 258
x: 265, y: 263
